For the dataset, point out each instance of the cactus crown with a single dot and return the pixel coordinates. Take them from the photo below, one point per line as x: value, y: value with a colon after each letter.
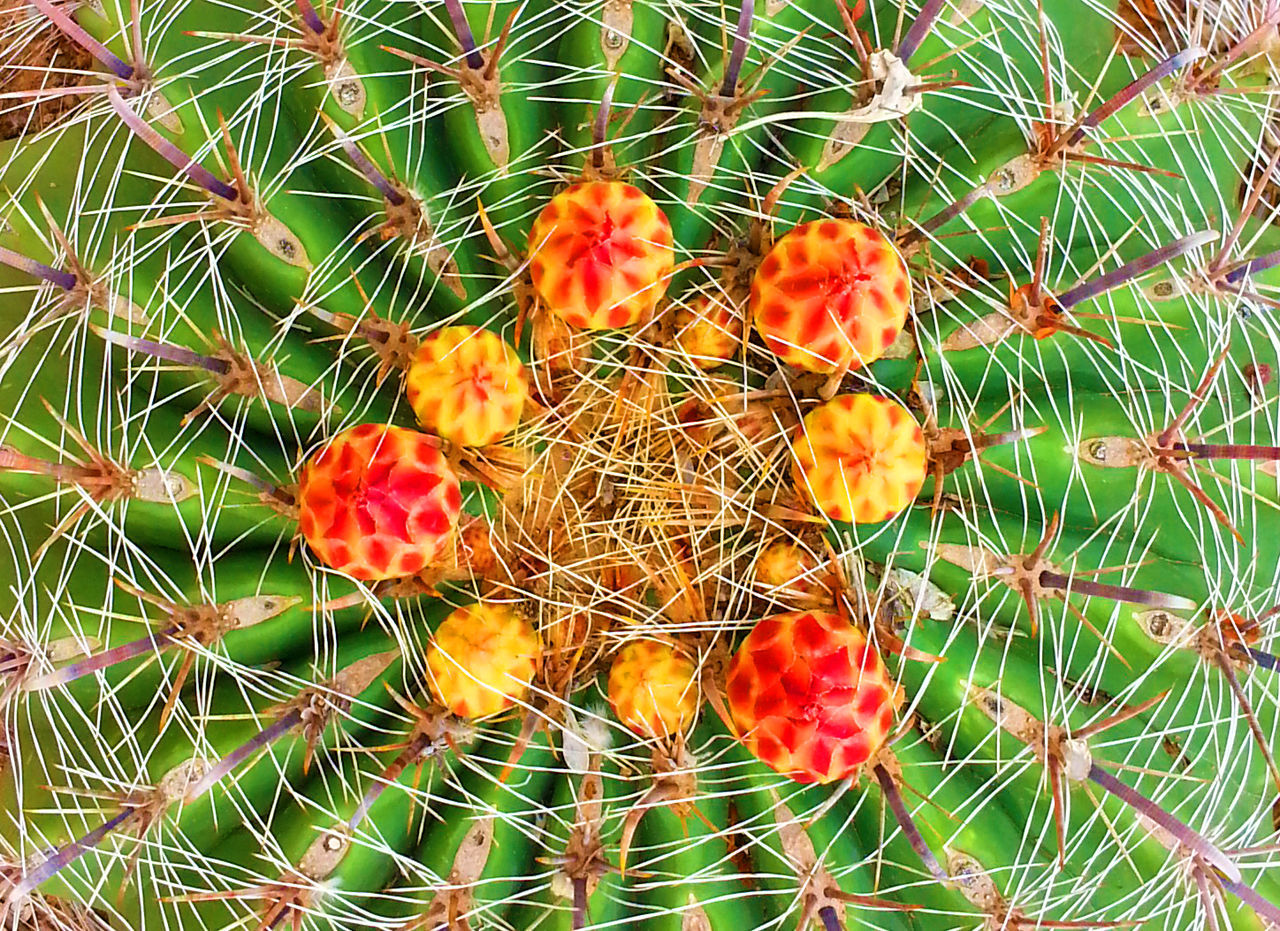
x: 474, y: 465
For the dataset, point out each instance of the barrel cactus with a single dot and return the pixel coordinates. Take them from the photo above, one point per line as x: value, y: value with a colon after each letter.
x: 640, y: 463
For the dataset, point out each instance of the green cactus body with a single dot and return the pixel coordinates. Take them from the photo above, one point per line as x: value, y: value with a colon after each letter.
x: 203, y: 725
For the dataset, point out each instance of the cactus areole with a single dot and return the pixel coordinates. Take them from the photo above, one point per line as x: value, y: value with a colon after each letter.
x: 378, y: 502
x: 601, y: 252
x: 831, y: 295
x: 810, y: 696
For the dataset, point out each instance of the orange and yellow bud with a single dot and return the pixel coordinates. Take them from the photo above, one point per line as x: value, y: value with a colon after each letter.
x: 830, y: 295
x: 482, y: 658
x: 708, y: 330
x: 653, y: 689
x: 467, y: 385
x: 378, y: 502
x: 785, y: 569
x: 600, y: 254
x: 860, y: 458
x: 809, y: 696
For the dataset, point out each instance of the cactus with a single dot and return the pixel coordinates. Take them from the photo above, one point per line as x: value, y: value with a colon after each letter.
x: 586, y: 464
